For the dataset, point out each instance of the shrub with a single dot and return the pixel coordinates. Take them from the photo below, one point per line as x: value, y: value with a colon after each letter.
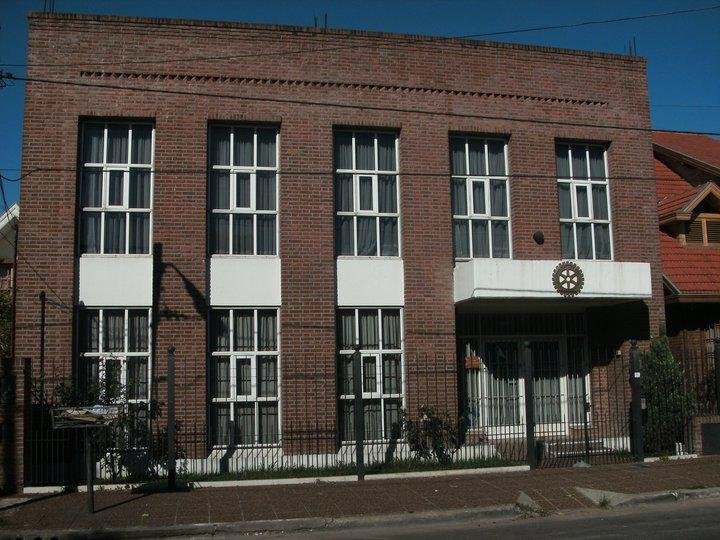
x: 432, y: 436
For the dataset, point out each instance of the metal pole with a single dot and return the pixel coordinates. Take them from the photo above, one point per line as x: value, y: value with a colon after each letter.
x: 586, y: 413
x: 171, y: 418
x: 42, y: 345
x: 89, y: 472
x: 716, y: 357
x: 359, y: 417
x: 529, y: 405
x: 638, y: 443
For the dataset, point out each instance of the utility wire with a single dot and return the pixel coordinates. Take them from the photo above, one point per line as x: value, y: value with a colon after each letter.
x: 329, y: 173
x: 312, y: 103
x: 390, y: 44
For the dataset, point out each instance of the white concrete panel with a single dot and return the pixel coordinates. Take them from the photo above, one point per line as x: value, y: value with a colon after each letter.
x: 116, y: 280
x: 507, y: 278
x: 370, y: 281
x: 244, y: 281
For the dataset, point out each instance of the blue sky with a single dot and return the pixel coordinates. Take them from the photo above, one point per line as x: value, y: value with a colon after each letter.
x: 683, y: 51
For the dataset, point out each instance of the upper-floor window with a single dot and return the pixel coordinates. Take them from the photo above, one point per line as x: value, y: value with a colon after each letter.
x: 243, y: 190
x: 704, y: 230
x: 585, y: 231
x: 244, y: 373
x: 116, y: 187
x: 366, y: 194
x: 480, y: 198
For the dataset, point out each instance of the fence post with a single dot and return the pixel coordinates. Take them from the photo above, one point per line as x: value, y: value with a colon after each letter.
x: 171, y: 417
x: 89, y: 470
x: 638, y: 443
x: 359, y: 417
x: 716, y: 358
x: 529, y: 405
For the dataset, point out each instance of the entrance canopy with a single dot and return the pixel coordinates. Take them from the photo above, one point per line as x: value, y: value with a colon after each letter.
x: 538, y: 279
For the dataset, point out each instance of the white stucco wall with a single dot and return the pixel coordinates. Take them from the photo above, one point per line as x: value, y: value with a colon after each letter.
x: 507, y: 278
x: 115, y: 280
x: 244, y: 281
x: 370, y: 281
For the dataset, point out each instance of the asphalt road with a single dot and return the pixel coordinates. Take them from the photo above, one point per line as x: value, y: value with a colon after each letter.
x: 687, y: 519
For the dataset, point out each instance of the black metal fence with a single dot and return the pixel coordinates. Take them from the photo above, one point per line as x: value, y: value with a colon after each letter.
x: 536, y: 407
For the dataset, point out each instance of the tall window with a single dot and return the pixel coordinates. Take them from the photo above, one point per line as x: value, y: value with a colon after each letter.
x: 378, y: 333
x: 480, y: 198
x: 243, y: 190
x: 114, y: 366
x: 583, y: 198
x: 243, y: 377
x: 366, y: 194
x: 116, y: 187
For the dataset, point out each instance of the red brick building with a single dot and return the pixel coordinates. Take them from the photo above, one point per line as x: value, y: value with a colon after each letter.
x: 264, y: 199
x: 688, y: 182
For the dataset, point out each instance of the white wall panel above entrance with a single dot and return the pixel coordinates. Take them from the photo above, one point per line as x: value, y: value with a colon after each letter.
x: 370, y: 281
x: 244, y: 281
x: 507, y: 278
x: 115, y: 280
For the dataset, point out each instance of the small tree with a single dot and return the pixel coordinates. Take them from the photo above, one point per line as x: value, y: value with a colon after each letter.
x: 668, y: 403
x: 432, y: 435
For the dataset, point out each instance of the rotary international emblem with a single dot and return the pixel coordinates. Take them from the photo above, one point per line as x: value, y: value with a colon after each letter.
x: 568, y: 279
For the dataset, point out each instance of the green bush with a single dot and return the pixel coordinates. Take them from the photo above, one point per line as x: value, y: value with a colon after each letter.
x: 669, y: 405
x: 432, y: 436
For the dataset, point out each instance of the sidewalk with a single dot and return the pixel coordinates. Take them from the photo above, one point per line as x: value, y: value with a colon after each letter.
x: 552, y: 489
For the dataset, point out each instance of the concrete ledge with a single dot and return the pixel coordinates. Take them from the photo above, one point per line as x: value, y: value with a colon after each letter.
x: 614, y: 499
x: 290, y: 481
x: 670, y: 458
x: 271, y: 526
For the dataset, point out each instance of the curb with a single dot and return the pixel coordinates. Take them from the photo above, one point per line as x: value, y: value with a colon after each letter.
x: 270, y: 526
x: 290, y: 481
x: 614, y: 499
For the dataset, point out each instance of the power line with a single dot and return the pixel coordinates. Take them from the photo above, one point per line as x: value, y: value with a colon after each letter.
x: 311, y: 103
x: 389, y: 44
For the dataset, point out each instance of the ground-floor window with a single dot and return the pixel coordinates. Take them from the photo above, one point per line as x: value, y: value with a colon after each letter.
x: 494, y: 376
x: 377, y: 332
x: 115, y: 360
x: 244, y: 377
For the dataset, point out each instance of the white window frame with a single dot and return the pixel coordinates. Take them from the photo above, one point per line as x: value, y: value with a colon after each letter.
x: 374, y: 174
x: 587, y: 183
x: 253, y: 355
x: 233, y: 171
x: 126, y: 168
x: 378, y: 394
x: 103, y: 357
x: 471, y: 215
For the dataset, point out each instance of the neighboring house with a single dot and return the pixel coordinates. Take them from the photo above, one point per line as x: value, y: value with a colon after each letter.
x: 8, y: 226
x: 266, y: 214
x: 687, y: 168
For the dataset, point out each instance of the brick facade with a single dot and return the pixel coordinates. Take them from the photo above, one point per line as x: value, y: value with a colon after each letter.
x: 424, y: 88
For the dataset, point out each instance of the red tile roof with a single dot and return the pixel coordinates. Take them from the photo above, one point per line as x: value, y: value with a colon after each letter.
x: 693, y: 270
x: 700, y: 147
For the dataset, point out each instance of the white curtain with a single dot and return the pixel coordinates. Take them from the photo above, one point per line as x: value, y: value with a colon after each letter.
x: 141, y: 145
x: 268, y: 423
x: 391, y: 374
x: 244, y: 336
x: 597, y: 162
x: 480, y: 238
x: 343, y: 193
x: 138, y: 330
x: 139, y: 241
x: 114, y: 330
x: 562, y: 160
x: 220, y: 330
x: 391, y: 328
x: 478, y: 195
x: 93, y: 140
x: 344, y: 241
x: 459, y: 199
x: 461, y: 238
x: 243, y: 147
x: 387, y: 193
x: 346, y: 329
x: 366, y: 236
x: 265, y: 190
x: 476, y: 151
x: 496, y: 158
x: 266, y: 234
x: 219, y: 233
x: 266, y: 147
x: 219, y: 190
x: 567, y: 240
x: 584, y: 241
x: 267, y: 376
x: 579, y: 161
x: 342, y: 153
x: 242, y: 234
x: 457, y: 152
x: 369, y: 329
x: 267, y: 330
x: 139, y: 189
x: 115, y: 232
x: 386, y: 152
x: 220, y: 145
x: 220, y: 423
x: 90, y: 232
x: 389, y: 237
x: 498, y: 198
x: 117, y: 151
x: 599, y: 197
x: 564, y: 200
x: 244, y: 376
x: 500, y: 240
x: 602, y: 241
x: 242, y: 190
x: 244, y: 423
x: 90, y: 325
x: 91, y: 192
x: 364, y: 151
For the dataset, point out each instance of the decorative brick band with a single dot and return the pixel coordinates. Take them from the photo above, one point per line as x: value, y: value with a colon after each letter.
x: 267, y: 81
